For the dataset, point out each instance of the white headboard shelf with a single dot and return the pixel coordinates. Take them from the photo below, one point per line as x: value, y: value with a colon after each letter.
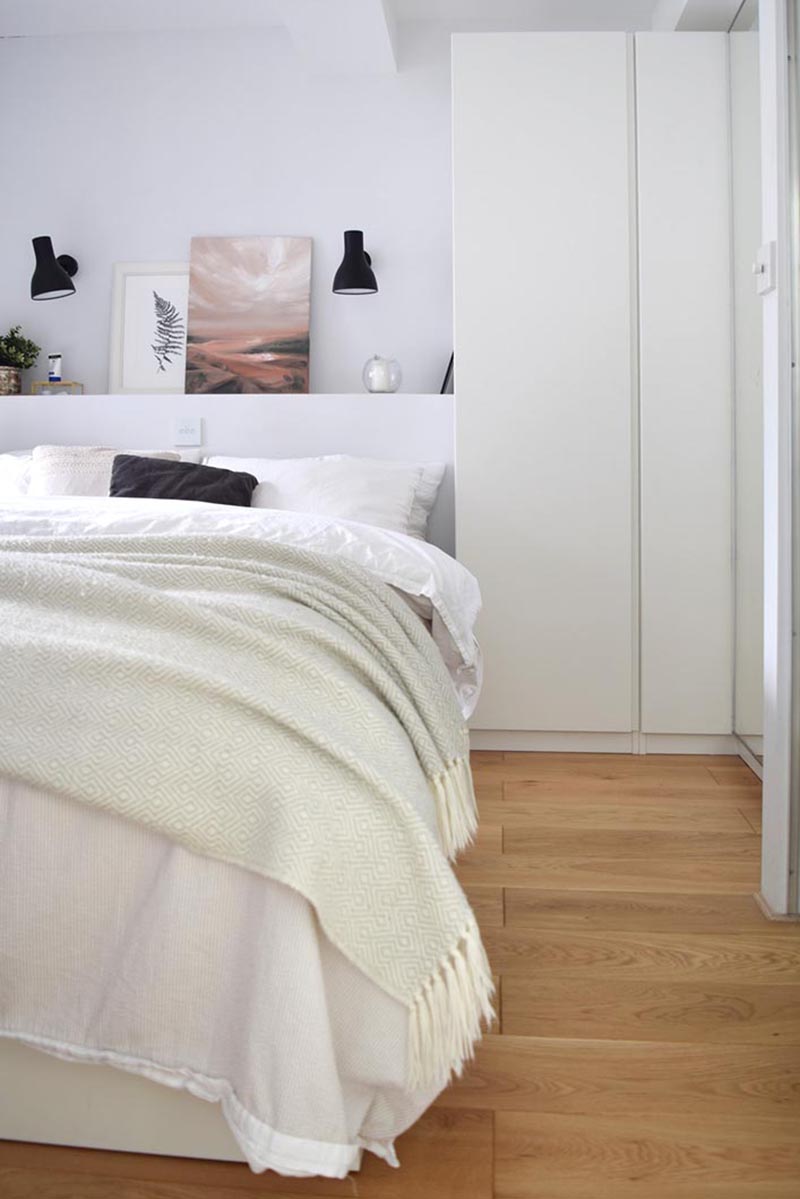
x: 416, y: 428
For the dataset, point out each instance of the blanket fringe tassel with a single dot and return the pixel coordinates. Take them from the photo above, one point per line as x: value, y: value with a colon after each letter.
x: 447, y: 1013
x: 456, y: 809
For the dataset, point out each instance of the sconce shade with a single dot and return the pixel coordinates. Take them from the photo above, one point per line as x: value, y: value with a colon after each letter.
x: 355, y: 276
x: 52, y: 277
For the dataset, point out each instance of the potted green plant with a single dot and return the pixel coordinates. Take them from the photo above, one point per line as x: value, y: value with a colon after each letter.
x: 17, y: 354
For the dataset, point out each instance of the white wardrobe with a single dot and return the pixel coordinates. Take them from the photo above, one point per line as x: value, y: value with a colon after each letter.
x: 594, y: 410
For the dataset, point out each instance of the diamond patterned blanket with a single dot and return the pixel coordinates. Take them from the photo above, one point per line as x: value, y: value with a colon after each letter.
x: 270, y: 707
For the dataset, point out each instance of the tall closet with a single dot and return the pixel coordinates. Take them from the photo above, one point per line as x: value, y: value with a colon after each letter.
x: 594, y: 384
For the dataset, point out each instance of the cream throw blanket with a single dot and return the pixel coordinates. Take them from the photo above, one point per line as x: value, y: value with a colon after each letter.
x: 269, y: 707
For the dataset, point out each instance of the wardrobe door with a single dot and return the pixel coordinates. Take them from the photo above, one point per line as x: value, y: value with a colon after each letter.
x: 686, y: 382
x: 543, y: 372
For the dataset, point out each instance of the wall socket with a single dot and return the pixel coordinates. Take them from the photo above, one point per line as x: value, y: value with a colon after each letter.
x: 187, y: 430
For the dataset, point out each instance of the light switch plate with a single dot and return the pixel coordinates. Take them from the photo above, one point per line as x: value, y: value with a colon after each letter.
x: 764, y: 268
x: 187, y: 430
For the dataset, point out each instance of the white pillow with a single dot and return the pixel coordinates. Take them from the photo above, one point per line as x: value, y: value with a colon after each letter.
x: 79, y: 469
x: 389, y: 495
x: 15, y: 474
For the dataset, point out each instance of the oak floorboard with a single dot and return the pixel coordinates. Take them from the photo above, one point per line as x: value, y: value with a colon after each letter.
x: 487, y: 904
x: 496, y: 1026
x: 597, y: 1077
x: 543, y: 843
x: 62, y: 1184
x: 515, y: 761
x: 753, y: 817
x: 488, y: 839
x: 645, y: 956
x: 487, y: 791
x: 630, y: 911
x: 630, y: 788
x: 587, y: 872
x: 605, y: 769
x: 734, y: 773
x: 542, y: 1156
x: 652, y: 787
x: 681, y: 770
x: 628, y: 1010
x: 484, y: 757
x: 571, y: 814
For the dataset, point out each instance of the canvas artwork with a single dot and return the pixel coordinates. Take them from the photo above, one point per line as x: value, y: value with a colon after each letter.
x: 249, y: 304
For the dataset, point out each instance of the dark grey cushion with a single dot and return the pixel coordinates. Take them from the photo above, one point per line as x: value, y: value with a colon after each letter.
x: 155, y: 478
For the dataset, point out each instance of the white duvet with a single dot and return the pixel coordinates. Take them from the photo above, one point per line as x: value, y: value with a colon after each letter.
x: 118, y: 946
x: 449, y: 593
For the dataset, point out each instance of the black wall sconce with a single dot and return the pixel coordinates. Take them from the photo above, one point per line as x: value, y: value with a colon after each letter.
x: 355, y: 276
x: 52, y: 277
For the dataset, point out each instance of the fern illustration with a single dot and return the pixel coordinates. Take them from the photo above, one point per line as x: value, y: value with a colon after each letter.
x: 170, y: 332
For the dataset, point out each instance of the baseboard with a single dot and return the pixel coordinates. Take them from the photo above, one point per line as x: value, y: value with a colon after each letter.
x: 747, y: 756
x: 602, y: 743
x: 788, y: 918
x: 568, y: 743
x: 690, y: 743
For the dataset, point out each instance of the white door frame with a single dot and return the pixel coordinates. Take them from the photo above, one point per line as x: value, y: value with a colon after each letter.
x: 779, y: 849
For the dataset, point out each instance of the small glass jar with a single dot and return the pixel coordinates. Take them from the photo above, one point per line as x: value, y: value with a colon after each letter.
x: 382, y: 374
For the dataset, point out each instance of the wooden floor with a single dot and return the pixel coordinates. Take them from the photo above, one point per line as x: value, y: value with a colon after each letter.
x: 648, y: 1041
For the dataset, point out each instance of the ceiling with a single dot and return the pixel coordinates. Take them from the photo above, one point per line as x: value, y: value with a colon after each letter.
x: 356, y: 36
x: 31, y: 18
x: 530, y: 14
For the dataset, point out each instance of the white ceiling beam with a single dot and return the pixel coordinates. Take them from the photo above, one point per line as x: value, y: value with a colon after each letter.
x: 747, y: 17
x: 695, y: 16
x: 342, y: 37
x: 711, y: 15
x: 667, y: 14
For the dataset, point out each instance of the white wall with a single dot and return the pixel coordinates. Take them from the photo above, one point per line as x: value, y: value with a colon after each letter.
x: 121, y: 147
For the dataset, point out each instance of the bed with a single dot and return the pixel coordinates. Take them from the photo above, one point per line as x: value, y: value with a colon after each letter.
x: 128, y: 940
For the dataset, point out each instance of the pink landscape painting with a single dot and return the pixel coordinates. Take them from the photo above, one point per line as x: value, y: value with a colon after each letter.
x: 249, y: 304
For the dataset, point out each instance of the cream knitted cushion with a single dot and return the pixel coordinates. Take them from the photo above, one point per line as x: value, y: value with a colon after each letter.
x: 78, y: 469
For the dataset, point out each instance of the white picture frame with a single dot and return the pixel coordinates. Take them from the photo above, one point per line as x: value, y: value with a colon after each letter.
x: 136, y: 365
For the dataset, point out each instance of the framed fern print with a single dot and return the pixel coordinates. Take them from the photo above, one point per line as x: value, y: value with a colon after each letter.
x: 148, y: 328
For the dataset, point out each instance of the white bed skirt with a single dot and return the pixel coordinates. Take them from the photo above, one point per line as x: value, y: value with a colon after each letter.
x: 121, y: 948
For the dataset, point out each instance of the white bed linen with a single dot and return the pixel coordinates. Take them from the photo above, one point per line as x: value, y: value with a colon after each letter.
x: 118, y: 946
x: 406, y: 563
x: 392, y: 495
